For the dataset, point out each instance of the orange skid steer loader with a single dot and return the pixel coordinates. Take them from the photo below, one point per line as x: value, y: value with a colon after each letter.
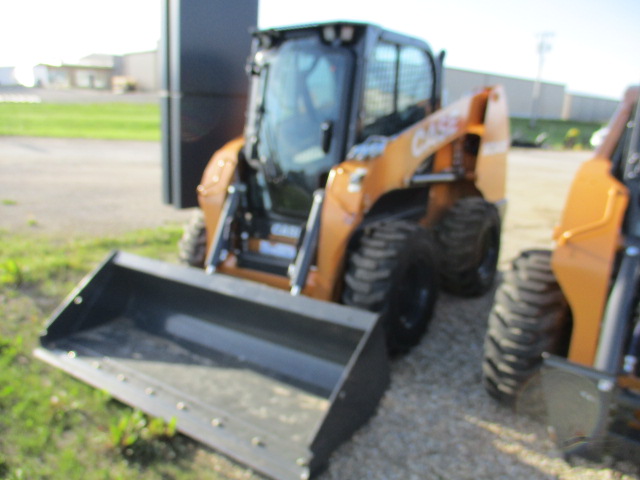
x: 325, y: 233
x: 573, y: 313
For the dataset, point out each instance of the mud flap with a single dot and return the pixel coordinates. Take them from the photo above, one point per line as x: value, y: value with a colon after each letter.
x: 276, y: 382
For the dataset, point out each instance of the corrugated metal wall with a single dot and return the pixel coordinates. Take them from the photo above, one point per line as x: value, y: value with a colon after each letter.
x: 554, y: 103
x: 588, y: 109
x: 519, y: 91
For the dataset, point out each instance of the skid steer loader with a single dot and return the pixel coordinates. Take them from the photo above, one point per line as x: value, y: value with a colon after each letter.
x: 326, y: 231
x: 573, y: 313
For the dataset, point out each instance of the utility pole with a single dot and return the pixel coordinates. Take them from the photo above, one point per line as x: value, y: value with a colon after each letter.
x: 544, y: 46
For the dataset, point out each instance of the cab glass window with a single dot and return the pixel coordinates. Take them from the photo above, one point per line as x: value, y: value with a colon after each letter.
x: 380, y: 83
x: 415, y: 78
x: 398, y: 89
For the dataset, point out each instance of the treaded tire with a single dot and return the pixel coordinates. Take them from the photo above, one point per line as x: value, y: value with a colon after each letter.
x: 530, y: 316
x: 393, y: 272
x: 469, y: 240
x: 192, y: 247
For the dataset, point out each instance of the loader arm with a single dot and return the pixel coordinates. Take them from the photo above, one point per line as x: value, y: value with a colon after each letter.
x: 356, y: 185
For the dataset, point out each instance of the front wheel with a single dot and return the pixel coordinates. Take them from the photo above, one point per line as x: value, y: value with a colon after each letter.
x: 530, y: 316
x: 393, y: 272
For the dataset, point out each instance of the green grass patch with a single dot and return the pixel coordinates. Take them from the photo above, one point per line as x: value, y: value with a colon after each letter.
x: 28, y: 260
x: 555, y: 132
x: 52, y: 426
x: 111, y: 121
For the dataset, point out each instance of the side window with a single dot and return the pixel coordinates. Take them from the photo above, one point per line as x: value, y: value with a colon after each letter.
x: 380, y: 87
x: 398, y: 86
x: 415, y: 79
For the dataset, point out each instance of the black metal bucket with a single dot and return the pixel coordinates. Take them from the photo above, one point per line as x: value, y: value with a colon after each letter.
x: 274, y: 381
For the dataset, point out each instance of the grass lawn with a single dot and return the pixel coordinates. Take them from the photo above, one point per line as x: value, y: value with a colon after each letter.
x: 124, y: 121
x: 52, y: 426
x: 111, y: 121
x: 554, y: 131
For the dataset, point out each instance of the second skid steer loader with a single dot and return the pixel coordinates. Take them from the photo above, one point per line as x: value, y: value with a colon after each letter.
x: 325, y: 233
x: 574, y: 312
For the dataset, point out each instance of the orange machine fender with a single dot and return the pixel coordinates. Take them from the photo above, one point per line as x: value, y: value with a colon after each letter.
x: 341, y: 215
x: 217, y: 177
x: 587, y: 239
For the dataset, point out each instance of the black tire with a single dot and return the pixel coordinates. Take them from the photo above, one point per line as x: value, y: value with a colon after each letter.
x: 469, y: 240
x: 192, y: 247
x: 393, y: 272
x: 530, y: 316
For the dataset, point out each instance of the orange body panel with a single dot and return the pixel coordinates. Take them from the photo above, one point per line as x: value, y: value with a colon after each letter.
x: 491, y: 166
x: 354, y: 186
x: 589, y: 236
x: 587, y: 239
x: 345, y: 207
x: 217, y: 177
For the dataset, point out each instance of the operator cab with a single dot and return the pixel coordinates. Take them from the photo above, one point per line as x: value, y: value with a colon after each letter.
x: 317, y: 91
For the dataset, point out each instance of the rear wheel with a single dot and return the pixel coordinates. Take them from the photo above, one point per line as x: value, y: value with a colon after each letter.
x: 393, y: 272
x: 192, y: 247
x: 530, y: 316
x: 469, y: 238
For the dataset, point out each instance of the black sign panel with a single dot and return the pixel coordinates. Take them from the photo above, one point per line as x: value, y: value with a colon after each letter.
x: 205, y: 46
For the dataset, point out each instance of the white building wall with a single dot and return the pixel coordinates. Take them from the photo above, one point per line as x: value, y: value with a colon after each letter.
x: 7, y: 77
x: 588, y: 109
x: 519, y: 92
x: 144, y: 67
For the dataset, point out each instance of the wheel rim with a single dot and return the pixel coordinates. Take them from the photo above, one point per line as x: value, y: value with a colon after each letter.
x: 414, y: 295
x: 489, y: 257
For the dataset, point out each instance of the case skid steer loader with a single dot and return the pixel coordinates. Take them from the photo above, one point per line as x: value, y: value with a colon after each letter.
x: 578, y: 306
x: 324, y: 229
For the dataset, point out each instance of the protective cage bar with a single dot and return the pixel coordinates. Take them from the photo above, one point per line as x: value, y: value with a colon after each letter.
x: 274, y: 381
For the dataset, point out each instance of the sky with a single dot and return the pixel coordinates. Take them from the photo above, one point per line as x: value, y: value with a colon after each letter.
x: 593, y: 44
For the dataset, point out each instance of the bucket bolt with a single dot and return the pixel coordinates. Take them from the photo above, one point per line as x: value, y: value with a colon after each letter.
x: 217, y: 422
x: 258, y: 442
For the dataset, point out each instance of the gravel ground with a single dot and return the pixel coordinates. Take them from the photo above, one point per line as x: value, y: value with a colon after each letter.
x: 435, y: 421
